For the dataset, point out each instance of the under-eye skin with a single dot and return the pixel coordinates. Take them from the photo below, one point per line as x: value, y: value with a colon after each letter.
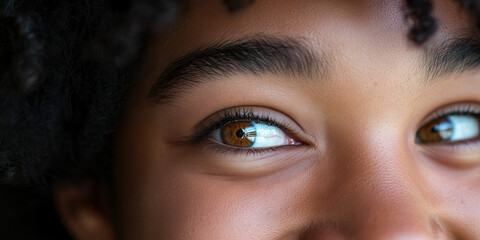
x: 245, y: 130
x: 457, y: 124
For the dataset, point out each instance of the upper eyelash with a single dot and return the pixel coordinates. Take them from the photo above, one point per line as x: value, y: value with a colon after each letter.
x: 469, y: 109
x: 457, y: 109
x: 227, y: 116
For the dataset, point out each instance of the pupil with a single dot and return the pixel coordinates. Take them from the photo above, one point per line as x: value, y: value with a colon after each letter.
x: 240, y: 133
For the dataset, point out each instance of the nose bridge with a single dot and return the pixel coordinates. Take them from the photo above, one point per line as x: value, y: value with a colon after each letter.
x: 381, y: 187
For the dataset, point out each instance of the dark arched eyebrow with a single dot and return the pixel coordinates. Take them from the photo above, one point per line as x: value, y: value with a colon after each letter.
x: 257, y: 55
x: 454, y: 56
x: 237, y: 5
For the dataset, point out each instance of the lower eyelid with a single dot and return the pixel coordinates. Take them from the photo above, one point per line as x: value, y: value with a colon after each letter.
x: 458, y: 155
x: 214, y: 146
x: 253, y: 162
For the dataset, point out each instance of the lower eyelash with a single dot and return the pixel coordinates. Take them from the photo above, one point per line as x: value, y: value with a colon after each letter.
x: 467, y: 144
x: 248, y: 152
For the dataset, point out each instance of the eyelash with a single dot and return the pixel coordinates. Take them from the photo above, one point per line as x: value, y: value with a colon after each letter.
x: 226, y: 150
x: 207, y: 127
x: 468, y: 109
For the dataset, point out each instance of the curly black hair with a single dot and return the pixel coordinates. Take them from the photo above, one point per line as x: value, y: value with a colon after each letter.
x: 64, y: 70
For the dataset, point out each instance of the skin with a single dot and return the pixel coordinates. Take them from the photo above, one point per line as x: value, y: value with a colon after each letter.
x: 358, y: 174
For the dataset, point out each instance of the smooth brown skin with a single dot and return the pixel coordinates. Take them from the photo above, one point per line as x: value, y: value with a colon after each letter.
x: 359, y: 173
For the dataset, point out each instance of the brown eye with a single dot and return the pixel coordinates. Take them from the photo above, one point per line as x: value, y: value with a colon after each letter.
x: 451, y: 128
x: 238, y: 134
x: 436, y: 131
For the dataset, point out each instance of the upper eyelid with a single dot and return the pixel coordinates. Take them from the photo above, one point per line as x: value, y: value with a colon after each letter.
x: 460, y: 108
x: 210, y: 124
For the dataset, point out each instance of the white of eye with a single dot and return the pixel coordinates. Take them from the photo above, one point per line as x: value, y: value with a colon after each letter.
x: 464, y: 127
x: 269, y: 136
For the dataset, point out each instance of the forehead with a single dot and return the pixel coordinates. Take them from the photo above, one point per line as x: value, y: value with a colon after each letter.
x: 321, y: 20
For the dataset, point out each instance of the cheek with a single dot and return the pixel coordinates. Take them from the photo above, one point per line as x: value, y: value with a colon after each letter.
x: 464, y: 196
x: 457, y: 194
x: 169, y: 200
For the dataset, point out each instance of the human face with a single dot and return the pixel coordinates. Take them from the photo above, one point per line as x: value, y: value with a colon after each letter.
x: 349, y: 102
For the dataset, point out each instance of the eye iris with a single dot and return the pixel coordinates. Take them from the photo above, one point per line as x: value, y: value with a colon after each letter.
x: 239, y: 134
x: 436, y: 131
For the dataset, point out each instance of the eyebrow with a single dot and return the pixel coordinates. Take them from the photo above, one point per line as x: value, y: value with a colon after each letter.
x: 453, y: 56
x: 257, y: 55
x: 237, y: 5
